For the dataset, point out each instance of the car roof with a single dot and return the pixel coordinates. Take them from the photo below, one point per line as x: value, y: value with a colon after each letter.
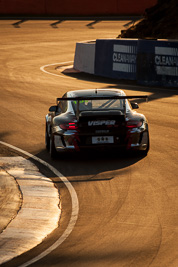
x: 96, y: 92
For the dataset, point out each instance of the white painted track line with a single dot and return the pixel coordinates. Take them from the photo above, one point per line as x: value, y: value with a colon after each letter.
x: 53, y: 64
x: 120, y: 84
x: 39, y: 214
x: 74, y: 199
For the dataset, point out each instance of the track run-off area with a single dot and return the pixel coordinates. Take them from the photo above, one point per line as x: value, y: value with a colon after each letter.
x: 127, y: 204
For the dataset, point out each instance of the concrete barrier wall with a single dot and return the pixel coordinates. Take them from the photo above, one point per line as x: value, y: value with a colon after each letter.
x: 74, y: 7
x: 21, y: 7
x: 152, y: 63
x: 134, y: 7
x: 80, y: 7
x: 157, y: 63
x: 116, y: 58
x: 85, y: 57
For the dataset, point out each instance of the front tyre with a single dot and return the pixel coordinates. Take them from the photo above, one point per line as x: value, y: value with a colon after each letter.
x: 52, y: 150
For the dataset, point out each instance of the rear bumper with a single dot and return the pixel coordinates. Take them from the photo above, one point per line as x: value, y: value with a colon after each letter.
x: 70, y: 141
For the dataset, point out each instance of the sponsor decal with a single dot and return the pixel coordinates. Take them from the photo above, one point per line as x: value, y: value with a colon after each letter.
x: 166, y: 61
x: 101, y: 123
x: 124, y: 58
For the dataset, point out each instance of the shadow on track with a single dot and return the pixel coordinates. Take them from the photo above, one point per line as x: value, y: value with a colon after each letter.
x: 90, y: 166
x: 17, y: 24
x: 90, y: 25
x: 157, y: 93
x: 54, y: 25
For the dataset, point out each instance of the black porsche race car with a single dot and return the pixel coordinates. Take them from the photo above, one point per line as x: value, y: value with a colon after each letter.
x: 96, y: 119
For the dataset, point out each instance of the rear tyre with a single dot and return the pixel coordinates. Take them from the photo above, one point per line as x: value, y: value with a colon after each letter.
x: 145, y: 152
x: 53, y: 152
x: 47, y: 139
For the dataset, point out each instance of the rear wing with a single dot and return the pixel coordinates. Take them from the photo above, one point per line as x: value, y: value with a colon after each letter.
x: 78, y: 99
x: 100, y: 98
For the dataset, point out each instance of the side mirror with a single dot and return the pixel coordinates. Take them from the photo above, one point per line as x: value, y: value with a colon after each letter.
x: 134, y: 105
x: 53, y: 109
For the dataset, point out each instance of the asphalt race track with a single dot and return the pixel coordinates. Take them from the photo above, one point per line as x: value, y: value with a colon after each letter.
x: 127, y: 205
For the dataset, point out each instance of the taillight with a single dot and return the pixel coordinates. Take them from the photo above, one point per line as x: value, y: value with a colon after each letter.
x: 72, y: 126
x: 69, y: 126
x: 134, y: 124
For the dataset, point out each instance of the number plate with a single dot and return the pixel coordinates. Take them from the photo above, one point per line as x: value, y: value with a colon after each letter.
x: 102, y: 140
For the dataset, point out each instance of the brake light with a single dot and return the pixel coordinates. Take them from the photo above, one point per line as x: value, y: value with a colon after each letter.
x: 69, y: 126
x: 72, y: 126
x: 134, y: 124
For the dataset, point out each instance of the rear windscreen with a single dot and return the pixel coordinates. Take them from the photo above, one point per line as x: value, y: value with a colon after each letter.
x: 111, y: 104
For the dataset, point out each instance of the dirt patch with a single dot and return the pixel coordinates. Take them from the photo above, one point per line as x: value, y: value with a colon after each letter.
x: 159, y: 22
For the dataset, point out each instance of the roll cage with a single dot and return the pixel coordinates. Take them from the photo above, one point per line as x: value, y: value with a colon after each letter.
x: 79, y: 99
